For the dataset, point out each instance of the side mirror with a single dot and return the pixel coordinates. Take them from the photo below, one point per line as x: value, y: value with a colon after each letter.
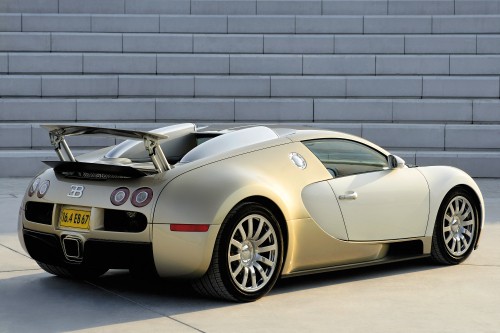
x: 395, y: 162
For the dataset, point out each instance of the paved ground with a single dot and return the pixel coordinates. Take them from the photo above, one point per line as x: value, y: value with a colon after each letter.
x: 407, y: 297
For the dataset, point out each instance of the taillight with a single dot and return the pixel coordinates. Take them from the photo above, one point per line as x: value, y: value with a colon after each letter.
x: 120, y: 196
x: 142, y: 196
x: 42, y: 190
x: 34, y: 187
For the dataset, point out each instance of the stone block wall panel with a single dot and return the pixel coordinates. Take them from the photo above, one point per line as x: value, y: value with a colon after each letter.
x: 421, y: 77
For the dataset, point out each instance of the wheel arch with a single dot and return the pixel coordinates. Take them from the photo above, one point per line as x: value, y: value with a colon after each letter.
x: 443, y: 179
x: 219, y: 281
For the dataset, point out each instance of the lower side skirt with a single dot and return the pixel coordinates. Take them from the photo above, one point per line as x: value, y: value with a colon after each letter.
x: 385, y: 260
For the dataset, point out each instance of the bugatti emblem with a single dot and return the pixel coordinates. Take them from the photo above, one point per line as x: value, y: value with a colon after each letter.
x: 76, y: 191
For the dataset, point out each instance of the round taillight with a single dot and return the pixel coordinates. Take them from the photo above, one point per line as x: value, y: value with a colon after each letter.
x: 42, y: 190
x: 119, y: 196
x: 142, y: 196
x: 34, y: 187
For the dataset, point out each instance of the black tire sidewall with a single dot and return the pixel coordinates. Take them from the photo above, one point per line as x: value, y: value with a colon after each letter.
x: 228, y: 228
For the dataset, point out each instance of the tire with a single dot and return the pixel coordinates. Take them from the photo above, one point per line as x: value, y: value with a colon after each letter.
x: 247, y: 257
x: 77, y: 272
x: 456, y: 228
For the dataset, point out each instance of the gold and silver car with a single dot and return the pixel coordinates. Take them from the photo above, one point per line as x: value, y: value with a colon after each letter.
x: 234, y: 210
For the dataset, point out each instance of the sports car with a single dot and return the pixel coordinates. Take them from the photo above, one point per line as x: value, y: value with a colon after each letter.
x: 233, y: 210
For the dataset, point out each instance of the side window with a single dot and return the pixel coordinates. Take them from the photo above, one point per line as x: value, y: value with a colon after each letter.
x: 344, y: 158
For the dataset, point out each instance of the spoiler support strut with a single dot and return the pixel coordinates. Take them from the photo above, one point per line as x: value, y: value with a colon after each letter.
x: 57, y: 140
x: 58, y: 132
x: 156, y: 153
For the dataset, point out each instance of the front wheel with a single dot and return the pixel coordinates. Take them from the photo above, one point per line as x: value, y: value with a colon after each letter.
x: 456, y: 228
x: 247, y: 257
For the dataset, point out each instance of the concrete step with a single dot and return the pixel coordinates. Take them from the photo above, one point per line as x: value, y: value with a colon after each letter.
x: 430, y: 111
x: 249, y: 86
x: 251, y: 64
x: 27, y: 163
x: 398, y: 44
x: 477, y: 164
x: 438, y: 137
x: 260, y: 7
x: 244, y: 24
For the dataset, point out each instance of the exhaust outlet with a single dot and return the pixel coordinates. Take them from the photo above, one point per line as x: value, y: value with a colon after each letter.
x: 73, y: 248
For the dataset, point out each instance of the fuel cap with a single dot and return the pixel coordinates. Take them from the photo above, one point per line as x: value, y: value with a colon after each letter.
x: 298, y: 160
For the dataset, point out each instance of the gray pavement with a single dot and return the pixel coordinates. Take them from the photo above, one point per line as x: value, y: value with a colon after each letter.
x: 413, y: 296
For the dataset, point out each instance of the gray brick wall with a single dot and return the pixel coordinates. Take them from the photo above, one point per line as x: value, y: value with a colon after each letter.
x: 56, y: 22
x: 193, y: 24
x: 193, y: 64
x: 86, y: 42
x: 75, y: 86
x: 68, y: 63
x: 418, y: 76
x: 329, y: 24
x: 234, y: 86
x: 298, y: 44
x: 17, y: 41
x: 10, y: 22
x: 339, y: 64
x: 174, y: 43
x: 125, y: 23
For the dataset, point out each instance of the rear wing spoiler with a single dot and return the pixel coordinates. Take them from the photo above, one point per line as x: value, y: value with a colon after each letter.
x: 58, y: 132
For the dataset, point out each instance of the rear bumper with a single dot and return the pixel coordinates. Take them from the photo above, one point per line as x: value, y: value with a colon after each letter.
x: 49, y: 249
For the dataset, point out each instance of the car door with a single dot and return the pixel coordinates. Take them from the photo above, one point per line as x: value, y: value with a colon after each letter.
x: 377, y: 203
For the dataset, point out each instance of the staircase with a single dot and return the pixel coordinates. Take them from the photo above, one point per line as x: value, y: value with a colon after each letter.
x: 418, y: 77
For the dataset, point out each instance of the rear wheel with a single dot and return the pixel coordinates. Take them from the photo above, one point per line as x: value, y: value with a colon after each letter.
x: 456, y: 228
x: 77, y: 272
x: 247, y: 258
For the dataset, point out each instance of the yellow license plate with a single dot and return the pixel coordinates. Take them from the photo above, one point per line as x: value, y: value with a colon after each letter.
x: 74, y: 218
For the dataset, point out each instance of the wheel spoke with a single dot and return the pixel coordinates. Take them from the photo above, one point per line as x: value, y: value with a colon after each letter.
x: 447, y: 228
x: 254, y: 277
x: 452, y: 210
x: 457, y: 206
x: 467, y: 223
x: 265, y: 261
x: 263, y: 238
x: 467, y: 213
x: 259, y: 229
x: 235, y: 257
x: 242, y: 232
x: 268, y: 248
x: 464, y: 205
x: 261, y: 272
x: 468, y: 233
x: 459, y: 245
x: 250, y: 228
x: 238, y: 245
x: 448, y: 239
x: 464, y: 241
x: 237, y: 271
x: 452, y: 248
x: 245, y: 278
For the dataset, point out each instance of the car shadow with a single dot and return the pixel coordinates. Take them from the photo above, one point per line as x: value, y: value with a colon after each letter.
x: 40, y: 302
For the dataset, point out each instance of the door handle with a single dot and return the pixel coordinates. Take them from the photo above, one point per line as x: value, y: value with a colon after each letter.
x: 350, y: 195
